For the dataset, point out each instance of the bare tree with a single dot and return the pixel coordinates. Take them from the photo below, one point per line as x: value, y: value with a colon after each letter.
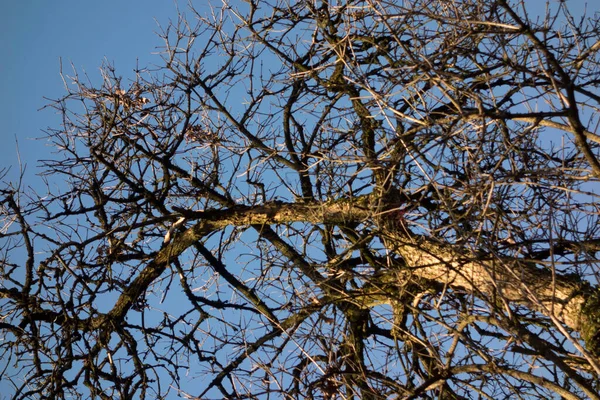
x: 331, y: 200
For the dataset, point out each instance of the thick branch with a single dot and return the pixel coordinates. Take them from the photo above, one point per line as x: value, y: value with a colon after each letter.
x: 563, y: 297
x: 554, y: 295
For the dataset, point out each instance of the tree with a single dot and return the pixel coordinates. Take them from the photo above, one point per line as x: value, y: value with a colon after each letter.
x: 360, y: 199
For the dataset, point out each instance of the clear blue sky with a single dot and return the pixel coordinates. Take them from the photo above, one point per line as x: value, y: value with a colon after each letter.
x: 35, y: 34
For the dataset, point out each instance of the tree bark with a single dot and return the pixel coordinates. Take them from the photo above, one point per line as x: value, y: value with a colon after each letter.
x: 571, y: 301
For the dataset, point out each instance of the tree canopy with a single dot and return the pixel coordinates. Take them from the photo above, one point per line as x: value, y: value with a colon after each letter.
x: 319, y: 200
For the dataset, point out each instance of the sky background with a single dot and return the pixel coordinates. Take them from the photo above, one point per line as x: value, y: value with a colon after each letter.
x: 36, y: 34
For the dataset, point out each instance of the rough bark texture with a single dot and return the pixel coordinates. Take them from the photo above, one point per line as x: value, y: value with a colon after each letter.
x: 571, y: 300
x: 318, y: 200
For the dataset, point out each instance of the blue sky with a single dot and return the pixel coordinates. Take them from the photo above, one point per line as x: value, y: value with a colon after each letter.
x: 36, y: 34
